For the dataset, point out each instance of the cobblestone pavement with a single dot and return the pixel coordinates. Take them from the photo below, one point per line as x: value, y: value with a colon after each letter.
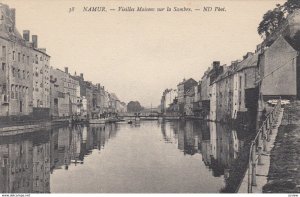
x: 284, y: 173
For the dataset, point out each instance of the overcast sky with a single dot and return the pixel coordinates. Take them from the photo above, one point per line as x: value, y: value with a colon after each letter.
x: 138, y: 55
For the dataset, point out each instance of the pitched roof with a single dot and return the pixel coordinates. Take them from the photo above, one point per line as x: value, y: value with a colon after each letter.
x: 250, y: 61
x: 185, y: 81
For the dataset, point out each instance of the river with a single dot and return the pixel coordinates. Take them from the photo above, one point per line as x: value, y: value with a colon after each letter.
x: 151, y: 156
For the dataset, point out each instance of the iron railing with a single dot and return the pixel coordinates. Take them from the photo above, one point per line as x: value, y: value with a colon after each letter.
x: 259, y: 144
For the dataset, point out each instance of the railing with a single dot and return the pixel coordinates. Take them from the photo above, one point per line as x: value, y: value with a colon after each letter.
x: 259, y: 144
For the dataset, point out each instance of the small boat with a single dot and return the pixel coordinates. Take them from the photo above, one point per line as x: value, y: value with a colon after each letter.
x: 130, y: 122
x: 97, y: 121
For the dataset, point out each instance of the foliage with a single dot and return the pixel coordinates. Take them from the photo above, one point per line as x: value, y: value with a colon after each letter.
x: 291, y: 5
x: 273, y: 19
x: 134, y: 106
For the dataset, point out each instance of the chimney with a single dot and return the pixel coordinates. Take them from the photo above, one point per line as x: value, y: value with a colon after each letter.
x: 26, y: 35
x: 234, y: 63
x: 35, y: 41
x: 216, y: 64
x: 81, y: 76
x: 67, y: 70
x: 13, y: 18
x: 98, y: 86
x: 247, y: 55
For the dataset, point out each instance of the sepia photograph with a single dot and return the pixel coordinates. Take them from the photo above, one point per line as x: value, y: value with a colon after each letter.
x: 149, y: 97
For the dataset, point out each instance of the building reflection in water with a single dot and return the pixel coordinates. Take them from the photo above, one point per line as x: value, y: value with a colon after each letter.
x: 219, y: 145
x: 26, y: 161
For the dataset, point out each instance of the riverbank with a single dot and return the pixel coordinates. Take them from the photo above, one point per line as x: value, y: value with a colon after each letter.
x: 30, y: 127
x: 262, y: 169
x: 284, y: 173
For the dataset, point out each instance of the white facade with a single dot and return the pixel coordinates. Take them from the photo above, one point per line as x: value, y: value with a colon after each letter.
x: 235, y: 106
x: 170, y: 96
x: 213, y: 102
x: 197, y: 94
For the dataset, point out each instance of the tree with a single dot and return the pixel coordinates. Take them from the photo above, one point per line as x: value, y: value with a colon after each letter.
x: 273, y: 19
x: 134, y: 106
x: 291, y: 5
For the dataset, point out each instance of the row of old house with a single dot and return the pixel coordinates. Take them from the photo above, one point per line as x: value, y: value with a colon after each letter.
x: 240, y: 90
x: 30, y: 86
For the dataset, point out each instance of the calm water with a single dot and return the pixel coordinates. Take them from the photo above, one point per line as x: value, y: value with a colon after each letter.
x: 150, y: 157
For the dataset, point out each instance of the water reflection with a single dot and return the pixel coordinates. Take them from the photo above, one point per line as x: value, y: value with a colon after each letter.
x: 27, y: 161
x: 218, y: 144
x: 25, y: 164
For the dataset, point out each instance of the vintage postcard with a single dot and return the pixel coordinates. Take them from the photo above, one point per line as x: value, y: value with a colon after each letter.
x: 149, y: 96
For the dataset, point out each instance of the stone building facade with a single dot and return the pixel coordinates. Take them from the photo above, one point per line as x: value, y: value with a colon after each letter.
x: 59, y: 100
x: 41, y: 78
x: 182, y: 89
x: 71, y: 87
x: 20, y: 61
x: 279, y: 74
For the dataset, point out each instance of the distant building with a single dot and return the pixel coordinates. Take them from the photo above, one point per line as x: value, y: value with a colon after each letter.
x: 182, y: 89
x: 245, y: 91
x: 167, y: 100
x: 224, y: 93
x: 197, y: 106
x: 59, y: 100
x: 71, y: 87
x: 206, y: 89
x: 213, y: 75
x: 189, y: 101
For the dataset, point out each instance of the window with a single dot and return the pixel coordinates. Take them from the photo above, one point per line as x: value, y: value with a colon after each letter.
x: 19, y: 73
x: 3, y: 66
x: 240, y: 85
x: 27, y: 59
x: 23, y: 60
x: 4, y: 51
x: 13, y: 72
x: 19, y: 57
x: 16, y: 92
x: 12, y: 91
x: 24, y: 76
x: 36, y: 59
x: 13, y: 55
